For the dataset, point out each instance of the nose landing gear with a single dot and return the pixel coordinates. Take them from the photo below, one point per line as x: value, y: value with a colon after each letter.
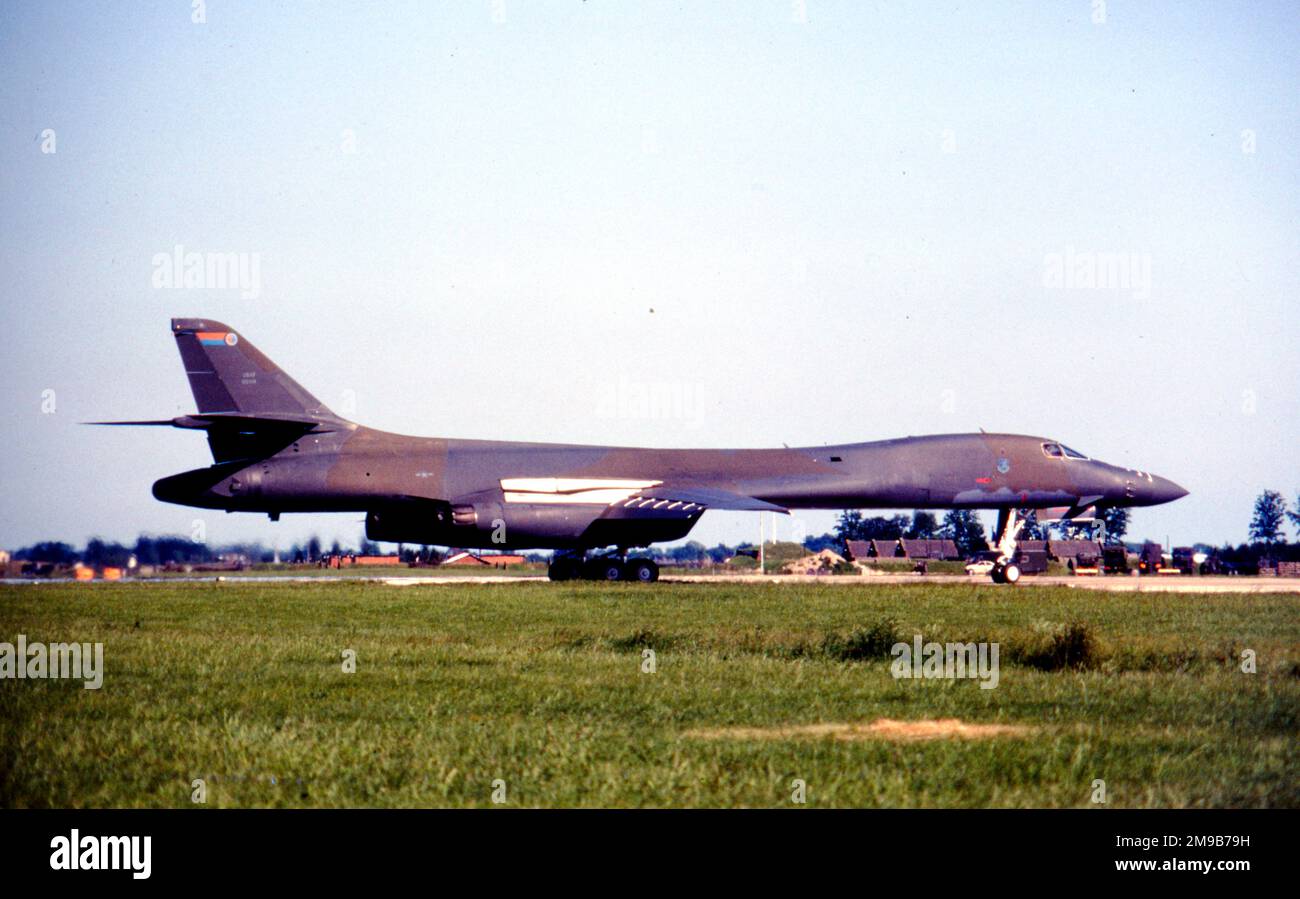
x: 1010, y: 523
x: 1005, y: 574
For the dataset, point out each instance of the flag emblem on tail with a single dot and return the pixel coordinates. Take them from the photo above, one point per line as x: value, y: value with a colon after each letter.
x: 218, y: 338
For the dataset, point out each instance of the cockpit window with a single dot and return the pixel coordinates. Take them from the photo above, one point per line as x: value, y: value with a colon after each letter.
x: 1060, y: 451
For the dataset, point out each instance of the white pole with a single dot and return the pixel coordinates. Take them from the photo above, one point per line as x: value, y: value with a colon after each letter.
x: 761, y: 542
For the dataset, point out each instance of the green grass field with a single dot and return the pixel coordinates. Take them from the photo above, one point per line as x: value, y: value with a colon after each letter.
x: 541, y: 686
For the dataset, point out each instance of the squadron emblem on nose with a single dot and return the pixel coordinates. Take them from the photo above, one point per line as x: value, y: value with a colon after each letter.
x: 1004, y: 465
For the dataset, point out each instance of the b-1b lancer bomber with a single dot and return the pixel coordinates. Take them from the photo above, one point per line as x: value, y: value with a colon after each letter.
x: 276, y: 449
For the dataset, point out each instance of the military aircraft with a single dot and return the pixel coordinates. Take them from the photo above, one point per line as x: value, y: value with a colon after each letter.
x: 276, y: 449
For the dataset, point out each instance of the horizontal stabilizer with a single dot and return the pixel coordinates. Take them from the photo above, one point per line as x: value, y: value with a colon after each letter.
x: 235, y: 436
x: 256, y: 422
x: 224, y: 420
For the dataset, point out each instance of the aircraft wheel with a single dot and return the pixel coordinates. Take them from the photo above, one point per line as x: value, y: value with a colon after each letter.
x: 996, y: 575
x: 643, y: 571
x: 562, y: 570
x: 607, y: 569
x: 1011, y: 574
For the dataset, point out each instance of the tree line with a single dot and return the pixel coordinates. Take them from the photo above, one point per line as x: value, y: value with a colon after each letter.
x: 1269, y: 517
x: 168, y: 549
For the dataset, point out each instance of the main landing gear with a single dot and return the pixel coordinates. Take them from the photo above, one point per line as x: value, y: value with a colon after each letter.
x: 573, y: 566
x: 1010, y: 523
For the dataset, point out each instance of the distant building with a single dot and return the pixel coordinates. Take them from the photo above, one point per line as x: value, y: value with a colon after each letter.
x: 857, y: 550
x: 350, y: 561
x: 935, y: 549
x: 884, y: 549
x: 865, y: 550
x: 376, y: 560
x: 492, y: 560
x: 224, y: 563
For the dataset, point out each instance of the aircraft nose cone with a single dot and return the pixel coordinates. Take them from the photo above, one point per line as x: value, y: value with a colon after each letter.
x: 1163, y: 490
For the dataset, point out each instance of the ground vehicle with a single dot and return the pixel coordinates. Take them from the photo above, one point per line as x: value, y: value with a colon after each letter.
x: 1216, y: 564
x: 1114, y: 560
x: 1151, y: 559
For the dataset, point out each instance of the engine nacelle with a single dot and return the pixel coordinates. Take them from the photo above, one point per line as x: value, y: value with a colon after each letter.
x: 480, y: 522
x: 425, y: 523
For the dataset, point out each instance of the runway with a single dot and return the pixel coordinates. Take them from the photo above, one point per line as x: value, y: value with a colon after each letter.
x: 1113, y: 584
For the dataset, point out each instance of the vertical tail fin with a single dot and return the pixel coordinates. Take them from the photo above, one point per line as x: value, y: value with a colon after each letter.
x: 229, y: 374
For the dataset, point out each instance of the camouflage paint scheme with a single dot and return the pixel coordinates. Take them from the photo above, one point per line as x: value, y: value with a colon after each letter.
x: 277, y: 448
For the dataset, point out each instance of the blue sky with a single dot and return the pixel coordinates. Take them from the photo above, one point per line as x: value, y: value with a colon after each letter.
x: 505, y: 220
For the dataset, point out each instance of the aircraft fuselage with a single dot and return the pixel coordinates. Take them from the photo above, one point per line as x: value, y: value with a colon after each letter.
x: 411, y: 479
